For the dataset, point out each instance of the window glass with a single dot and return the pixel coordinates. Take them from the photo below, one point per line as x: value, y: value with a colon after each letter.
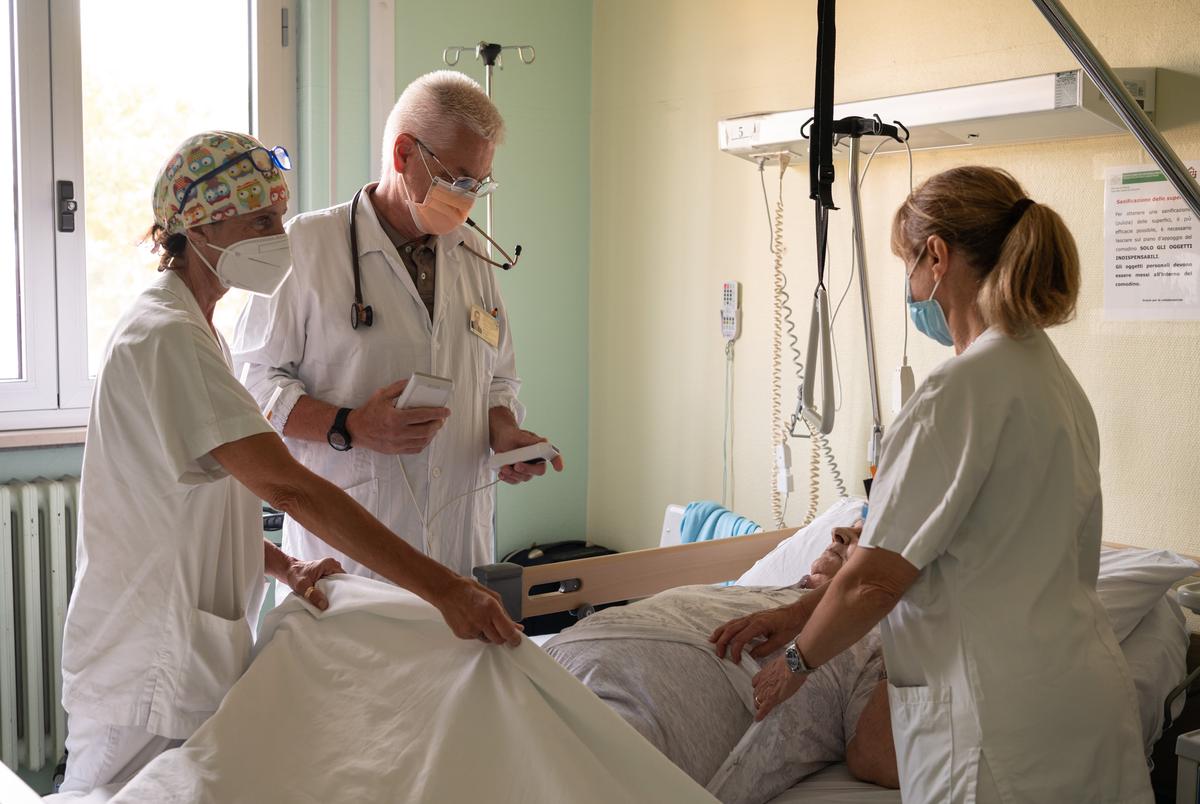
x: 154, y: 73
x: 11, y: 335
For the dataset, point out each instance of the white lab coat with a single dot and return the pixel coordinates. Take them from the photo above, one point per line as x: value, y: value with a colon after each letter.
x: 301, y: 340
x: 169, y: 562
x: 1000, y: 655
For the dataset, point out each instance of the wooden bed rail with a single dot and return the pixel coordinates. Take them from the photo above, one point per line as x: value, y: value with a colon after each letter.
x: 587, y: 582
x: 624, y: 576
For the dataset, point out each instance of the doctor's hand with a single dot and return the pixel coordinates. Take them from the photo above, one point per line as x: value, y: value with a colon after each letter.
x: 773, y: 685
x: 379, y: 426
x: 302, y: 577
x: 474, y: 612
x: 509, y: 438
x: 772, y: 628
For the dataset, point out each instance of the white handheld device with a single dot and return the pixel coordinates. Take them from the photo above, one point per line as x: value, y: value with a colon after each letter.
x: 425, y: 391
x: 534, y: 453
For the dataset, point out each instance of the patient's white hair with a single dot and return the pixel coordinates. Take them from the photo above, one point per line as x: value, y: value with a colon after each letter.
x: 436, y: 105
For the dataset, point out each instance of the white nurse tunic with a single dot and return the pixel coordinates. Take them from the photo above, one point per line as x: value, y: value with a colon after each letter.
x: 1000, y: 654
x: 169, y: 562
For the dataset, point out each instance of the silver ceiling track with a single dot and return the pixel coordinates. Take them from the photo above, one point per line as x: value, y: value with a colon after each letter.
x: 1122, y: 102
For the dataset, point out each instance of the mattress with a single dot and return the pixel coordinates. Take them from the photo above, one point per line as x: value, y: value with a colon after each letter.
x: 835, y: 785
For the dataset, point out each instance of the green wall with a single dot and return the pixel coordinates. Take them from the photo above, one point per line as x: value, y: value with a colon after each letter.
x: 542, y: 202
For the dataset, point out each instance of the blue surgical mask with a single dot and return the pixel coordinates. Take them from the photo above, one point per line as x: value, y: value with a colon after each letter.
x: 927, y: 316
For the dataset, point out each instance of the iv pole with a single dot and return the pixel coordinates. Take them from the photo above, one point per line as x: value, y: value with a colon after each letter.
x: 490, y: 53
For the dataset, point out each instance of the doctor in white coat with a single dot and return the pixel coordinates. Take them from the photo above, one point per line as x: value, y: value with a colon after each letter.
x: 387, y: 285
x: 981, y: 548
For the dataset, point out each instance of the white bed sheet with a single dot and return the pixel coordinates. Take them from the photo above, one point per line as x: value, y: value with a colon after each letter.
x: 375, y: 700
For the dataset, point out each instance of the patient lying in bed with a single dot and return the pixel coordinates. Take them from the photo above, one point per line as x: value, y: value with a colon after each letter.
x: 652, y: 662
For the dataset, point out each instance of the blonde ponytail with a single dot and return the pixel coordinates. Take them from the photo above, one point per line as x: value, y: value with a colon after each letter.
x: 1022, y: 252
x: 1035, y: 282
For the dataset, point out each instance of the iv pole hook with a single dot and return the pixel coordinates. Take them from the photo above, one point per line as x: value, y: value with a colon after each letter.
x: 491, y: 55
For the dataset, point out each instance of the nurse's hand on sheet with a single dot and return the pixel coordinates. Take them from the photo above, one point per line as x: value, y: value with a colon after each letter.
x: 773, y: 685
x: 474, y: 612
x: 302, y: 576
x: 379, y: 426
x: 771, y: 629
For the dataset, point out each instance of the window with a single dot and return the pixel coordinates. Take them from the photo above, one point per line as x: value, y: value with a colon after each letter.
x: 130, y: 80
x: 10, y: 277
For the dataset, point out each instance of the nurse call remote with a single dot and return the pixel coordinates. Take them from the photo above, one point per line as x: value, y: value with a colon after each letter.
x: 534, y: 453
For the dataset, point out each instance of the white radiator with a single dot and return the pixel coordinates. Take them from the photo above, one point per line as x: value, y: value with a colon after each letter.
x: 38, y: 523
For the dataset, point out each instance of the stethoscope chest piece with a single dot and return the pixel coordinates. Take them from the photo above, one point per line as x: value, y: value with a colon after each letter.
x: 361, y: 314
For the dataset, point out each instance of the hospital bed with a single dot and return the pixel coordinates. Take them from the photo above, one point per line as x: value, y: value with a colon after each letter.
x: 276, y: 680
x: 580, y: 586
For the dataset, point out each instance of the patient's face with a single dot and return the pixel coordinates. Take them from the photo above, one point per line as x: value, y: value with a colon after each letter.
x: 841, y: 547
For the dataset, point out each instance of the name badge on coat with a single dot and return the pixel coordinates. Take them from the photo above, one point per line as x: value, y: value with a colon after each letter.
x: 485, y: 325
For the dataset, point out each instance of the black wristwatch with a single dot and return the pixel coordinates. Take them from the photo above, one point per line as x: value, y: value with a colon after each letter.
x: 338, y: 436
x: 795, y: 662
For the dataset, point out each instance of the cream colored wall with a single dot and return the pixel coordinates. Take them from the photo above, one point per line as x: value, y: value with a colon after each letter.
x: 672, y: 217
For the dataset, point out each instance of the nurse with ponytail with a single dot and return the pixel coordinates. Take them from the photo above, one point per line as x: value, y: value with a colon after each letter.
x: 980, y: 555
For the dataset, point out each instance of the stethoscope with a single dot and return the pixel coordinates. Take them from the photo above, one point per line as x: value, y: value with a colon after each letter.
x: 361, y: 313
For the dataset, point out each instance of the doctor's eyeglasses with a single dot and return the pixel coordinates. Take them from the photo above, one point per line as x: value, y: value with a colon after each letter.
x: 264, y: 160
x: 467, y: 185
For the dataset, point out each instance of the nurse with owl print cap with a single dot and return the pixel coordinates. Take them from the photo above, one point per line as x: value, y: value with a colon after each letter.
x: 171, y: 559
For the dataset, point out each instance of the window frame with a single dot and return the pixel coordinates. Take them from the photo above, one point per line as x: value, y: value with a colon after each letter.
x: 57, y: 390
x: 38, y: 388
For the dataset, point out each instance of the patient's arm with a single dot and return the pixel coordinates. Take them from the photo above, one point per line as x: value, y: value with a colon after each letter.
x: 871, y: 755
x: 770, y: 629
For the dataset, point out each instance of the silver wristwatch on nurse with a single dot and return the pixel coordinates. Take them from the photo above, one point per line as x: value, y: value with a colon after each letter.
x: 795, y: 661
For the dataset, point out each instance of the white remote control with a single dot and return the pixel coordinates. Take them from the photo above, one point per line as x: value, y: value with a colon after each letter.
x: 731, y: 310
x: 534, y: 453
x: 425, y: 391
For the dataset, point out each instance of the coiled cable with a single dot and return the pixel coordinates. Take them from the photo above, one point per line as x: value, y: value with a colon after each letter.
x: 778, y: 433
x: 785, y: 327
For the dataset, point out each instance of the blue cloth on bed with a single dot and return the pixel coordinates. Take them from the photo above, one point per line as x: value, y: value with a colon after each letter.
x: 706, y: 520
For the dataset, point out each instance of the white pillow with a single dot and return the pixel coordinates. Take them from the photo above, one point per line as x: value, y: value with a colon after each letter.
x: 1132, y: 580
x: 792, y: 558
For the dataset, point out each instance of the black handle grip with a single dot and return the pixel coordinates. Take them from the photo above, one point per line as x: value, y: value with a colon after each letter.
x: 67, y: 206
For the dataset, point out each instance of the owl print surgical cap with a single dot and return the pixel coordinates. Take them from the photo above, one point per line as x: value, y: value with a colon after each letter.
x: 215, y: 176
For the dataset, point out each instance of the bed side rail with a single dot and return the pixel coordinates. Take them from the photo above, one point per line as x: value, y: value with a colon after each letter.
x: 627, y: 576
x: 624, y: 576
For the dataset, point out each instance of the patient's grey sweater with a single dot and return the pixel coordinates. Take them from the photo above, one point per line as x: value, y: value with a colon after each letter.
x: 652, y: 662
